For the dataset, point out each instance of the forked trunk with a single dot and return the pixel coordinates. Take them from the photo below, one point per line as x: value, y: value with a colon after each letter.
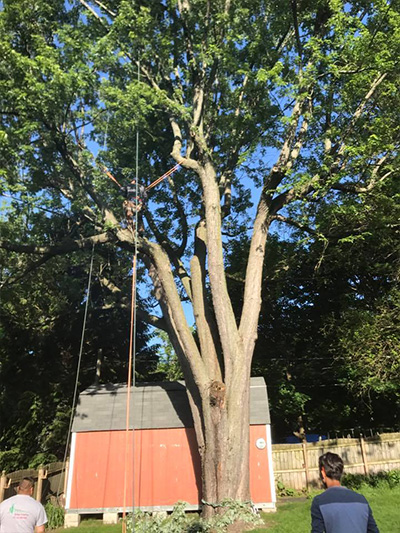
x: 225, y: 456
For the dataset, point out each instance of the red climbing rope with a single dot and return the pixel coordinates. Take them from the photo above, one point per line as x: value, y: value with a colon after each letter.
x: 161, y: 178
x: 155, y: 182
x: 108, y: 173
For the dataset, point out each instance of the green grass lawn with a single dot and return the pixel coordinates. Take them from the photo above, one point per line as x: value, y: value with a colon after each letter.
x: 294, y: 516
x: 91, y: 526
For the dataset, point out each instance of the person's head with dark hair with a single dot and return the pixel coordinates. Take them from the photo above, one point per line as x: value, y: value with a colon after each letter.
x: 331, y: 468
x: 26, y: 485
x: 339, y: 508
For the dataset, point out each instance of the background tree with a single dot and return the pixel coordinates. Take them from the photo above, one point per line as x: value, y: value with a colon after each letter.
x: 324, y: 295
x: 215, y: 86
x: 41, y: 328
x: 168, y: 368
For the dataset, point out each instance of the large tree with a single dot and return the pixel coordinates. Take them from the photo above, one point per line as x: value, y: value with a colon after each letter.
x: 287, y: 103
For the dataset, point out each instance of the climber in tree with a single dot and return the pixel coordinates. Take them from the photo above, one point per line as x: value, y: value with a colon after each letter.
x: 135, y: 201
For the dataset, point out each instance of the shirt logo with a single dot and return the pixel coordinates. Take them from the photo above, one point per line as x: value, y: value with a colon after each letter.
x: 18, y: 514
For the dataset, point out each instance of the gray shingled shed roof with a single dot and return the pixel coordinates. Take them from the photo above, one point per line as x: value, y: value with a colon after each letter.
x: 162, y: 405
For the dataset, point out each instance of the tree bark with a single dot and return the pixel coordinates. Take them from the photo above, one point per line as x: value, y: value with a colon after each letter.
x: 225, y: 459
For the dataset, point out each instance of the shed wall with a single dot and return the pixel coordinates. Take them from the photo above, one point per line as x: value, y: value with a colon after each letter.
x: 166, y: 469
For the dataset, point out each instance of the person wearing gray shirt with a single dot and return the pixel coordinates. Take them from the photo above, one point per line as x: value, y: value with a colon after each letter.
x: 21, y: 513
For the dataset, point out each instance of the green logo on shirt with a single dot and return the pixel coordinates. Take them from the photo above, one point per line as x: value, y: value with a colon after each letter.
x: 14, y: 509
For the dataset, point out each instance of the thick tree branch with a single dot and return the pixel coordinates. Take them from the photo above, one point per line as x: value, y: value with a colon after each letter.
x: 295, y: 193
x: 225, y: 183
x: 252, y: 290
x: 296, y: 28
x: 225, y: 317
x: 278, y: 171
x: 182, y: 217
x: 295, y: 224
x: 198, y: 107
x: 167, y: 295
x: 301, y: 136
x: 184, y: 161
x: 31, y: 268
x: 339, y: 148
x: 289, y: 153
x: 206, y: 326
x: 109, y: 285
x: 105, y: 8
x: 93, y: 12
x: 357, y: 189
x: 64, y: 247
x: 172, y: 254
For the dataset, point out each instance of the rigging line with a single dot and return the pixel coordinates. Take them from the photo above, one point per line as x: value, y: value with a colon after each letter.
x: 79, y: 365
x: 153, y: 184
x: 102, y: 167
x: 134, y: 303
x: 132, y: 350
x: 129, y: 384
x: 161, y: 178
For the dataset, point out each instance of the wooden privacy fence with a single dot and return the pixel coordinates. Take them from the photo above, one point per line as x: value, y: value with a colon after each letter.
x: 296, y: 465
x: 49, y: 482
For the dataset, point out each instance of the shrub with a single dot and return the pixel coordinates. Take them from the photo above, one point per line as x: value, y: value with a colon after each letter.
x: 179, y: 522
x: 55, y: 515
x: 282, y: 490
x: 389, y: 479
x: 235, y: 511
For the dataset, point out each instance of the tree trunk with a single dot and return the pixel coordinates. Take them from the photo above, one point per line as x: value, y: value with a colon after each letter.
x: 216, y: 366
x: 225, y: 458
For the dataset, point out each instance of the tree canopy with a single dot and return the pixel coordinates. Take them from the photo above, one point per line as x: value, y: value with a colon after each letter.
x: 288, y: 106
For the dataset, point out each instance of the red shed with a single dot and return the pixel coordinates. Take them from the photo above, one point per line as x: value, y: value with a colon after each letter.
x: 164, y: 463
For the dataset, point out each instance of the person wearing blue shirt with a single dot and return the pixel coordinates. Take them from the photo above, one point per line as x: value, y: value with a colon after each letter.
x: 338, y: 509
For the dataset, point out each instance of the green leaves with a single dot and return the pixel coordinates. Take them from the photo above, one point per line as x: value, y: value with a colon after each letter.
x: 239, y: 86
x: 369, y: 343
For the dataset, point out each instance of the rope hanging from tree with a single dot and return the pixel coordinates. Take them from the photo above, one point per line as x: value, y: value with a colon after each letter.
x: 73, y: 407
x: 132, y: 354
x: 130, y: 383
x: 106, y: 171
x: 132, y: 334
x: 153, y: 184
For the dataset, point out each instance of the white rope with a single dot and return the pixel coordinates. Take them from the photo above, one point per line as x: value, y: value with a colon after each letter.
x: 78, y: 366
x: 132, y: 348
x: 134, y: 318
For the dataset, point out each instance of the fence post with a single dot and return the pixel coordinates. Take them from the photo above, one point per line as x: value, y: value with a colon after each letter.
x: 42, y: 474
x: 3, y: 485
x: 364, y: 455
x: 305, y: 456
